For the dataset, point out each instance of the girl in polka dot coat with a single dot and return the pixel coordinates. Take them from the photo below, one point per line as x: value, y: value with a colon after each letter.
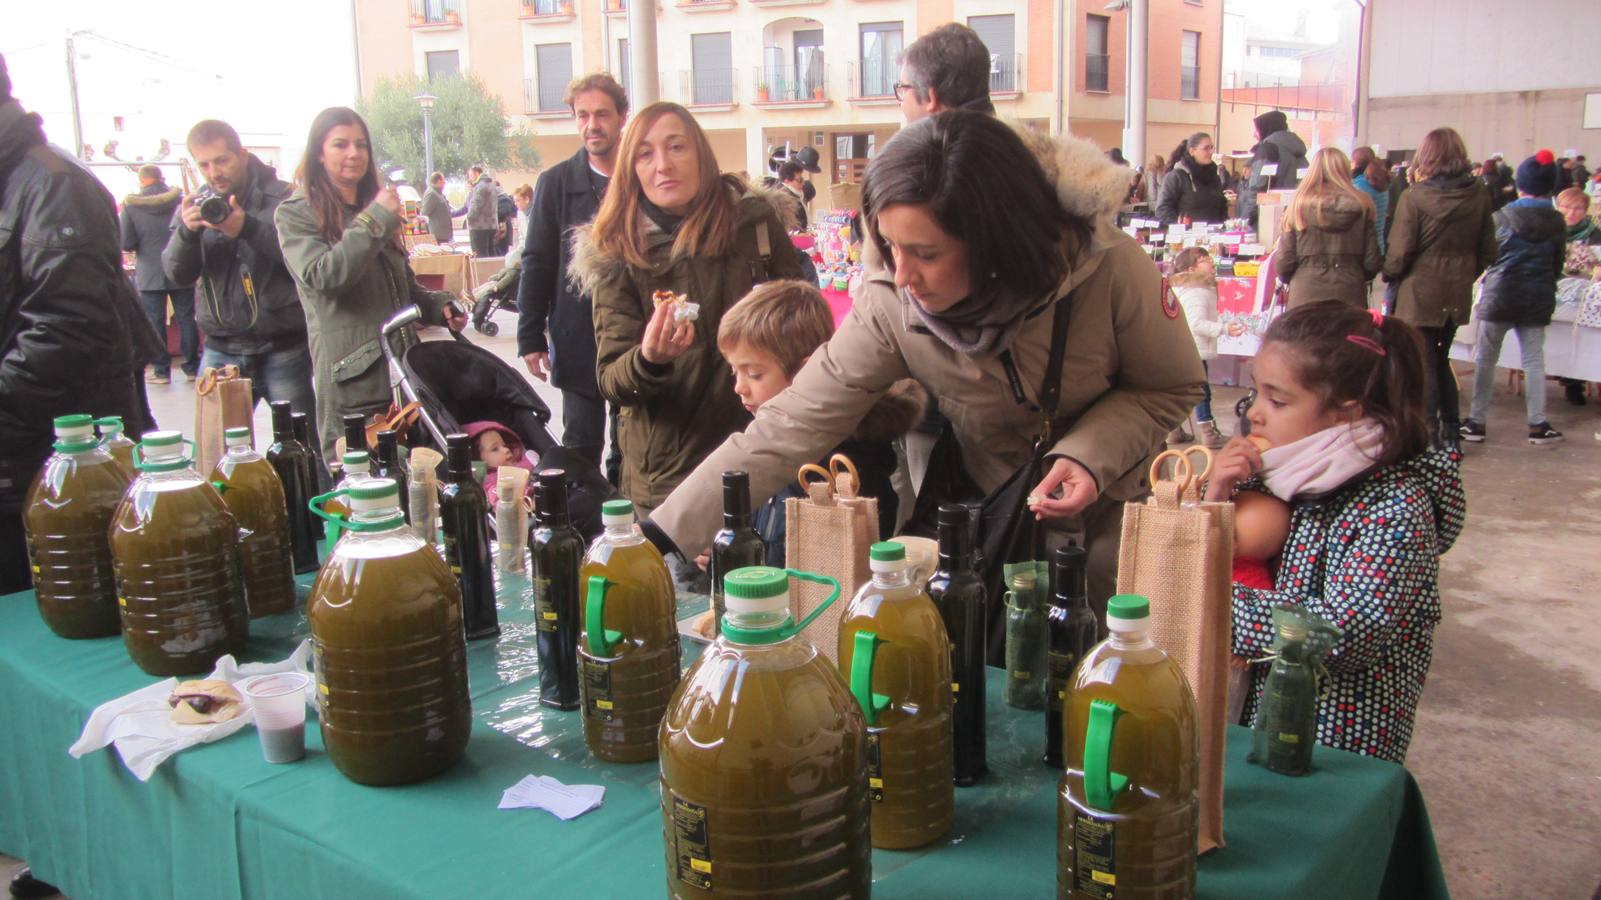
x: 1373, y: 506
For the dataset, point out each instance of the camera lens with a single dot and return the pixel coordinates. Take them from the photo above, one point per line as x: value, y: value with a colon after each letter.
x: 214, y: 209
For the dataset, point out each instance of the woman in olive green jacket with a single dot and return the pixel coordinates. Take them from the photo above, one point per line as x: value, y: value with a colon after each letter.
x: 1330, y: 246
x: 340, y: 240
x: 671, y: 222
x: 1441, y: 240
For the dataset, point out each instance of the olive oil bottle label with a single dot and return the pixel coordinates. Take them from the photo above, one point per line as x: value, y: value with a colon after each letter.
x: 691, y: 845
x: 544, y: 609
x: 1094, y: 843
x: 452, y: 557
x: 598, y: 703
x: 875, y: 768
x: 1059, y: 674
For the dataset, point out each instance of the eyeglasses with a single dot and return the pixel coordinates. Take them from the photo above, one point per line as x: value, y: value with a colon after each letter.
x: 900, y: 86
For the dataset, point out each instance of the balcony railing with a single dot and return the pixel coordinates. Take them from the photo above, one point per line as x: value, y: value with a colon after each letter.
x: 546, y: 98
x: 1006, y: 73
x: 1190, y: 83
x: 435, y: 12
x: 707, y: 87
x: 786, y: 84
x: 875, y: 77
x: 1097, y: 71
x: 534, y: 8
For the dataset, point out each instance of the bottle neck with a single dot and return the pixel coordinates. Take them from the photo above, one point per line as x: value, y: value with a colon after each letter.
x: 1132, y: 640
x: 387, y: 515
x: 624, y: 533
x: 283, y: 427
x: 955, y: 550
x: 901, y: 577
x: 243, y: 453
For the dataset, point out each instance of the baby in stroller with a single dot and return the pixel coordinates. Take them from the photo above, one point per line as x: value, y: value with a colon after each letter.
x: 497, y: 445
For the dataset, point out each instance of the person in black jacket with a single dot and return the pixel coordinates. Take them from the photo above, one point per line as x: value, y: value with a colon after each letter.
x: 72, y: 337
x: 144, y: 234
x: 1520, y: 294
x: 248, y: 304
x: 1193, y: 188
x: 555, y: 325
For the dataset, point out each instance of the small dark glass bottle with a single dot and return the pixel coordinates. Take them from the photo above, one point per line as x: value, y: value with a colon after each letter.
x: 1072, y: 630
x: 464, y: 513
x: 314, y: 469
x: 555, y: 553
x: 386, y: 464
x: 1286, y: 720
x: 737, y: 545
x: 958, y: 593
x: 355, y: 432
x: 288, y: 458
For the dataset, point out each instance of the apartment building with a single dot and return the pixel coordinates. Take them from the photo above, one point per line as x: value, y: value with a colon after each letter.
x: 760, y: 74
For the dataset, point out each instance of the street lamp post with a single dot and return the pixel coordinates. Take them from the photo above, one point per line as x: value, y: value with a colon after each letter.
x: 426, y: 101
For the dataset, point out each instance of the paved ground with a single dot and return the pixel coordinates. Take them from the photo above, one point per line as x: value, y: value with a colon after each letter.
x: 1505, y: 747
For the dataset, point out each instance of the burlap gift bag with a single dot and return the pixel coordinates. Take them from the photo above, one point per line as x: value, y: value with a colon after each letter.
x: 1178, y: 552
x: 828, y: 533
x: 223, y: 400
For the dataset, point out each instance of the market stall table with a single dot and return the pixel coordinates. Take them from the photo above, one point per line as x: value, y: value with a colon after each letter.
x: 443, y: 271
x: 216, y: 821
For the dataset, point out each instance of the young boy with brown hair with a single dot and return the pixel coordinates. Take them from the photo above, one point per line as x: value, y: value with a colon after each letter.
x: 767, y: 337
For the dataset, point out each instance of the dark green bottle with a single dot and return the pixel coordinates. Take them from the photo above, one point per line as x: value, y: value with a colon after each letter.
x: 1072, y: 632
x: 464, y: 514
x: 737, y: 545
x: 355, y: 432
x: 386, y: 464
x: 1286, y: 720
x: 958, y: 594
x: 288, y: 457
x: 313, y: 468
x: 555, y: 553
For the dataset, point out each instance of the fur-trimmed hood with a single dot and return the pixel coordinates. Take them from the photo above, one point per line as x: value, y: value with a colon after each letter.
x: 1088, y: 185
x: 162, y: 198
x: 1193, y: 279
x: 895, y: 413
x: 752, y: 202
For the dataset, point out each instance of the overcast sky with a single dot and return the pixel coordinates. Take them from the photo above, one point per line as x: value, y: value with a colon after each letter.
x: 265, y: 68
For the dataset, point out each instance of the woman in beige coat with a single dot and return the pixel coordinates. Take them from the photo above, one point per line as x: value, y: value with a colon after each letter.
x: 979, y: 231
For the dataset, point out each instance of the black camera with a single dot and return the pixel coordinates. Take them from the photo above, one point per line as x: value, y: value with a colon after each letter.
x: 214, y: 207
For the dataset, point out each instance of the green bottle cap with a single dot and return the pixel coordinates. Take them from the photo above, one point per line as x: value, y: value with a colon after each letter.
x: 74, y: 421
x: 75, y: 433
x: 887, y: 551
x: 1129, y: 607
x: 161, y: 438
x: 236, y: 433
x: 617, y: 511
x: 755, y: 583
x: 355, y: 459
x: 374, y: 489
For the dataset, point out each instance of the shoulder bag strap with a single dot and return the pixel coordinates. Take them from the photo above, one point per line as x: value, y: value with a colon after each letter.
x: 1051, y: 392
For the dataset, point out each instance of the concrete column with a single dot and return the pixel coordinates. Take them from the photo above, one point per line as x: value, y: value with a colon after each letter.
x: 755, y: 153
x: 1135, y: 92
x: 642, y: 71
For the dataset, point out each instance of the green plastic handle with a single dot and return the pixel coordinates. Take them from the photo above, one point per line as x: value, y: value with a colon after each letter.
x: 1101, y: 784
x: 798, y: 575
x: 600, y: 638
x: 866, y: 650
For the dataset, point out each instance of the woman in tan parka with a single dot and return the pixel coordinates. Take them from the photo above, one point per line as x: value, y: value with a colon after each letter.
x: 980, y: 229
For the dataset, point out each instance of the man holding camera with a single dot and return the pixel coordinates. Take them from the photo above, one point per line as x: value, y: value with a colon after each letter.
x: 223, y: 236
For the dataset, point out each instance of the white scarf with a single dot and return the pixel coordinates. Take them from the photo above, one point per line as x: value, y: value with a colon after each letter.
x: 1322, y: 461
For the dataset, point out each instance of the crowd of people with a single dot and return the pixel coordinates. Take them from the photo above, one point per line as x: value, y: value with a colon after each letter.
x: 977, y: 234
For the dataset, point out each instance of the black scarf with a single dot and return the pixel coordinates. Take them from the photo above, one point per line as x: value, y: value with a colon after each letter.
x: 664, y: 220
x: 1202, y: 176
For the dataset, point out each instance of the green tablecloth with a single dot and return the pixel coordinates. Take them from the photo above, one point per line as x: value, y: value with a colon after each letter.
x: 217, y: 822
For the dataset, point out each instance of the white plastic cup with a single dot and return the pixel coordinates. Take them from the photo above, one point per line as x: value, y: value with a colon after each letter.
x: 279, y: 702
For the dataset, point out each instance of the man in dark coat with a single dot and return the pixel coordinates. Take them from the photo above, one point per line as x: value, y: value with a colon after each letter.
x: 248, y: 303
x: 144, y: 233
x: 72, y: 338
x: 555, y: 326
x: 1276, y: 160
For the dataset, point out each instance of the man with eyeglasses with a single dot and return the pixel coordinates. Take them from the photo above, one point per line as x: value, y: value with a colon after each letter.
x: 948, y: 68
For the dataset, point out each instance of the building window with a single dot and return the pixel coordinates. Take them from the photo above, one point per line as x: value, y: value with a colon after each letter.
x: 1097, y: 59
x: 1190, y: 66
x: 881, y: 52
x: 443, y: 64
x: 623, y: 62
x: 554, y: 65
x: 712, y: 59
x: 1000, y: 37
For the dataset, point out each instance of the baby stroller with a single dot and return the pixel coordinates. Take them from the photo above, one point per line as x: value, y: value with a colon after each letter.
x: 499, y: 292
x: 455, y: 382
